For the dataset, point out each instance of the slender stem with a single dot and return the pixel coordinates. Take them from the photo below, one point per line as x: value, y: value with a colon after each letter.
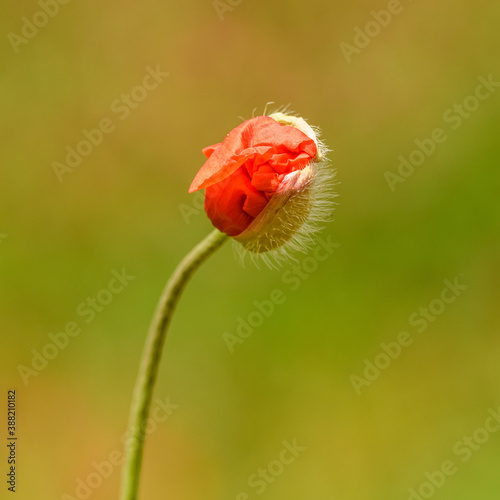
x: 151, y: 357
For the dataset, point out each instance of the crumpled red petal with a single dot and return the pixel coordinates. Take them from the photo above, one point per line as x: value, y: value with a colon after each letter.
x: 260, y: 137
x: 233, y: 204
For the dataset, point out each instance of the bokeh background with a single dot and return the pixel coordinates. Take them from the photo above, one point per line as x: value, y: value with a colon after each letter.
x: 125, y: 206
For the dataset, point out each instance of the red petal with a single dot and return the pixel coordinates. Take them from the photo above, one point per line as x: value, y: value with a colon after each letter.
x: 258, y: 137
x: 255, y: 203
x: 209, y: 150
x: 266, y: 181
x: 224, y: 206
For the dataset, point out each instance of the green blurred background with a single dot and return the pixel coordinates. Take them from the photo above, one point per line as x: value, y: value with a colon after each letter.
x: 122, y: 207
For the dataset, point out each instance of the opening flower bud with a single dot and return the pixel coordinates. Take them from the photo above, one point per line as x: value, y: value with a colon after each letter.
x: 266, y: 184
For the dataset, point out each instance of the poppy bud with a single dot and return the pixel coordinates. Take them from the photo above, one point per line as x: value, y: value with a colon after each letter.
x: 267, y: 185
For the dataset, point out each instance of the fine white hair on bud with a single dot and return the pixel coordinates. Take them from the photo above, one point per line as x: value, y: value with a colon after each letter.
x: 302, y: 204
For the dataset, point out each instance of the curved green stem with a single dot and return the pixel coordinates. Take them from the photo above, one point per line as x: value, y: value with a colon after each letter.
x: 151, y: 357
